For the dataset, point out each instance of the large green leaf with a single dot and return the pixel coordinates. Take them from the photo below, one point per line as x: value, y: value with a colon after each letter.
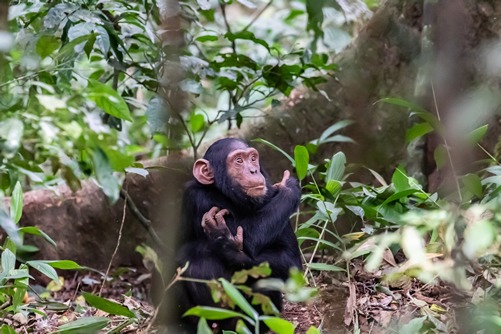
x: 239, y: 299
x: 47, y: 44
x: 212, y: 313
x: 278, y: 325
x: 108, y: 100
x: 336, y: 167
x: 107, y: 306
x: 8, y: 225
x: 84, y: 325
x: 301, y: 158
x: 104, y: 175
x: 16, y: 203
x: 45, y: 269
x: 33, y: 230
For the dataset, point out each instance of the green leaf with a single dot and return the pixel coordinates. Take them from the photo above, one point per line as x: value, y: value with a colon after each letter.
x: 276, y: 148
x: 237, y: 297
x: 313, y: 330
x: 400, y: 179
x: 69, y: 48
x: 417, y: 131
x: 301, y: 159
x: 278, y: 325
x: 44, y: 268
x: 473, y: 184
x: 206, y: 37
x: 440, y: 156
x: 8, y: 261
x: 16, y: 203
x: 416, y: 110
x: 108, y: 100
x: 478, y: 236
x: 203, y: 327
x: 197, y: 122
x: 412, y: 327
x: 398, y: 195
x: 212, y: 313
x: 336, y: 167
x: 8, y: 225
x: 246, y: 35
x: 5, y: 329
x: 84, y: 325
x: 107, y: 306
x: 333, y: 128
x: 64, y: 264
x: 33, y: 230
x: 476, y: 135
x: 104, y: 175
x: 324, y: 267
x: 47, y: 44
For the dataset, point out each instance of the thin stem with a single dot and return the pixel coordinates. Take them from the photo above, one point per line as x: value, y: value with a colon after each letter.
x: 447, y: 148
x: 119, y: 239
x: 257, y: 16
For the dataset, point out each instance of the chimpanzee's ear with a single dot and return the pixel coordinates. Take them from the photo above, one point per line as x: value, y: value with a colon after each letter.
x: 202, y: 171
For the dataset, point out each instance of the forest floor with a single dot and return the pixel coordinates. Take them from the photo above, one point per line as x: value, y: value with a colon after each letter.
x: 365, y: 303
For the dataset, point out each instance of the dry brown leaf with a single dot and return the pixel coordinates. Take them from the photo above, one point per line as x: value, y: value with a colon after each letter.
x: 350, y: 305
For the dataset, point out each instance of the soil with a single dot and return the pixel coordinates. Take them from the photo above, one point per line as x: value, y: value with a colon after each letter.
x: 365, y: 303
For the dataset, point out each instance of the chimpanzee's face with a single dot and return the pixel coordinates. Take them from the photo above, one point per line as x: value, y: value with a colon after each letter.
x: 242, y: 165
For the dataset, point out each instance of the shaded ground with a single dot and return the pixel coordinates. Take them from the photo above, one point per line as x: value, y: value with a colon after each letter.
x: 365, y: 303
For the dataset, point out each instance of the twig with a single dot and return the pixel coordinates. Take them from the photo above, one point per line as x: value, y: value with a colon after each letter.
x: 143, y: 220
x: 116, y: 249
x: 447, y: 148
x: 257, y: 16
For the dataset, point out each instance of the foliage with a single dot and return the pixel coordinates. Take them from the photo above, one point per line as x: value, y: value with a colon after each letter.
x: 438, y: 237
x: 239, y: 297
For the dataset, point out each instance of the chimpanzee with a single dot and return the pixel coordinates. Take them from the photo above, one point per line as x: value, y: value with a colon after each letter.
x: 233, y: 219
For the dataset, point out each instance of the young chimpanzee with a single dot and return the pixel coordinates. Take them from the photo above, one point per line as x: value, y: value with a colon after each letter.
x: 233, y: 219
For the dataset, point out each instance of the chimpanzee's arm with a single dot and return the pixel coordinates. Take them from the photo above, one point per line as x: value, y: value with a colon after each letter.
x: 267, y: 226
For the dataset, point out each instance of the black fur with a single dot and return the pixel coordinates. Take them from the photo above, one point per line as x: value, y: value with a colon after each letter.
x: 267, y: 233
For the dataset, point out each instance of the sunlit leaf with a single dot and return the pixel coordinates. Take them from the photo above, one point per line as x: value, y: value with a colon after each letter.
x: 324, y: 267
x: 8, y: 225
x: 400, y: 179
x: 417, y: 131
x: 476, y: 135
x: 240, y: 300
x: 84, y: 325
x: 278, y: 325
x: 45, y: 269
x: 16, y: 203
x: 212, y: 313
x: 107, y: 306
x: 47, y: 44
x: 478, y: 236
x: 336, y: 167
x: 197, y: 122
x: 301, y: 158
x: 36, y: 231
x: 108, y: 100
x: 8, y: 261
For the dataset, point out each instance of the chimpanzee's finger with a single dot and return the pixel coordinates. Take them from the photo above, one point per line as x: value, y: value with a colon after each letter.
x: 219, y: 217
x: 239, y: 237
x: 287, y: 174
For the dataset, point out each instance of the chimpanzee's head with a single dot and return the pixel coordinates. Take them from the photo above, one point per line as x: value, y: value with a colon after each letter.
x: 233, y: 167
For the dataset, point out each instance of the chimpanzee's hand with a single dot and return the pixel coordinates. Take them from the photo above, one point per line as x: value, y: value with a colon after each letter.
x: 287, y: 182
x: 215, y: 227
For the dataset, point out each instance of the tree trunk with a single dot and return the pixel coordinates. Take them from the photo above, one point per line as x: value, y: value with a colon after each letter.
x: 398, y: 53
